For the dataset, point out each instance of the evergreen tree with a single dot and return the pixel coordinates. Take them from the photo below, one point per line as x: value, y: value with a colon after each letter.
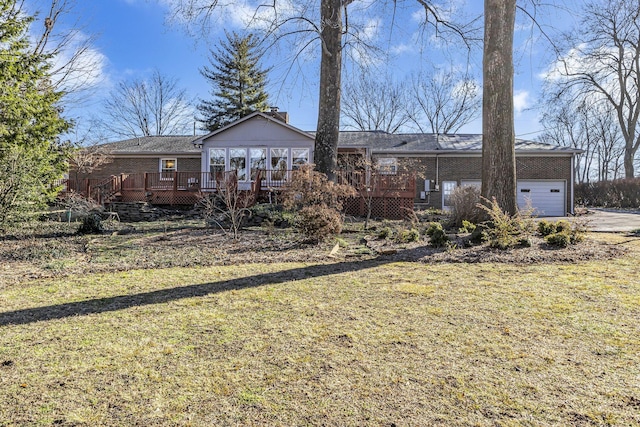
x: 238, y: 82
x: 31, y: 156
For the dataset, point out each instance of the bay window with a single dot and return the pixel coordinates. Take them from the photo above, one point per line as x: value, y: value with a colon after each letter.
x: 257, y: 161
x: 279, y: 163
x: 299, y: 156
x: 238, y: 162
x: 216, y: 163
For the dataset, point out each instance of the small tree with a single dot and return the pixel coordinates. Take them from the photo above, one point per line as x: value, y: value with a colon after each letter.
x: 238, y: 82
x: 84, y: 160
x: 317, y: 201
x: 31, y: 154
x: 228, y: 204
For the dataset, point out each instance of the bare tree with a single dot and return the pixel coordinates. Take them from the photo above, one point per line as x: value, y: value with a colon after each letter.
x: 590, y: 127
x: 329, y: 23
x: 84, y: 160
x: 603, y: 62
x: 376, y: 104
x: 498, y: 134
x: 75, y: 63
x: 157, y: 106
x: 447, y: 100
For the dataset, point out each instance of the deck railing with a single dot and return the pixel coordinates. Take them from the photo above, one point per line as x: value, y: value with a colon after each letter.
x: 185, y: 187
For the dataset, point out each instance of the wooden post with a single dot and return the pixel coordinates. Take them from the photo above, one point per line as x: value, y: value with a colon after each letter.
x: 146, y: 181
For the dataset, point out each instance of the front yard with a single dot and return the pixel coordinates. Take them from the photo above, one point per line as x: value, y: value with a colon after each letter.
x: 166, y: 326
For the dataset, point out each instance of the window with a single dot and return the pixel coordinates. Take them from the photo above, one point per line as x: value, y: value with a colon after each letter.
x: 279, y: 163
x: 167, y: 168
x: 387, y: 165
x: 257, y: 161
x: 216, y: 163
x: 447, y: 190
x: 299, y: 157
x: 238, y: 162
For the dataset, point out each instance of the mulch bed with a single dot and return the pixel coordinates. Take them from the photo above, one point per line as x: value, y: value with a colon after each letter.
x: 61, y: 252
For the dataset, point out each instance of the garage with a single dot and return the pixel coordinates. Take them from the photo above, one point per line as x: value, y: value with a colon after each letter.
x: 546, y: 197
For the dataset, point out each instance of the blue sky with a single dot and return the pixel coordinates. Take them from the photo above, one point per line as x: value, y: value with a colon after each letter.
x: 132, y: 37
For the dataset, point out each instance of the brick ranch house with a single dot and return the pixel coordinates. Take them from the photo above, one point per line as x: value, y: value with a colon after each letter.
x: 424, y: 168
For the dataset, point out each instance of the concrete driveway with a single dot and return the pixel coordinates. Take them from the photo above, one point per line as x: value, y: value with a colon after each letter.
x: 610, y: 220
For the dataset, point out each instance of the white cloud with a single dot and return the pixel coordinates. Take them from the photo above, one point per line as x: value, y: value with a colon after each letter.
x: 79, y: 66
x: 403, y: 48
x: 521, y: 101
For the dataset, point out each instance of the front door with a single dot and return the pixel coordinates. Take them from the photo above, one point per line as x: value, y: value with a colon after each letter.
x: 447, y: 190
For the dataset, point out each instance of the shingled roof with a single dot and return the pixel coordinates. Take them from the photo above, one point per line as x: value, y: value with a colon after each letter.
x: 155, y: 145
x: 379, y: 141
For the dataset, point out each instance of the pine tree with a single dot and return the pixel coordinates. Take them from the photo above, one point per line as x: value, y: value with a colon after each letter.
x: 237, y: 80
x: 31, y: 155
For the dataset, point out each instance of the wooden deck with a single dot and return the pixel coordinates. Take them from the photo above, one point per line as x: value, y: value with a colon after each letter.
x: 390, y: 196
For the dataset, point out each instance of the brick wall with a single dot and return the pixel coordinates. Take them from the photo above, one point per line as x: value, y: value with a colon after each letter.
x: 470, y: 168
x: 128, y: 165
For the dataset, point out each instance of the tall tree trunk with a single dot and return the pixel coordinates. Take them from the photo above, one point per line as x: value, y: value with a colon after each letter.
x: 328, y: 129
x: 498, y: 140
x: 629, y: 167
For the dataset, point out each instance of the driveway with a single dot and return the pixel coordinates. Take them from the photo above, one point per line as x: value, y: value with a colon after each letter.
x: 611, y: 220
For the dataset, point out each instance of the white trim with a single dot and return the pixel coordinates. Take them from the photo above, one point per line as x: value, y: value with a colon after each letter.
x: 172, y: 171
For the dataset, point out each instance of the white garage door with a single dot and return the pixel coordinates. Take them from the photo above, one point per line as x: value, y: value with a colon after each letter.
x: 547, y: 197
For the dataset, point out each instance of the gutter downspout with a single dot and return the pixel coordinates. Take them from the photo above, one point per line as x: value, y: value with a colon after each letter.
x: 437, y: 183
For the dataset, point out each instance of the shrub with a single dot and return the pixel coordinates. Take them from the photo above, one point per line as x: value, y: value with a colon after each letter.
x: 562, y: 239
x: 319, y: 222
x: 562, y: 233
x: 411, y: 235
x: 503, y: 230
x: 311, y: 188
x: 318, y: 202
x: 385, y: 233
x: 437, y: 237
x: 464, y: 205
x: 619, y: 193
x: 546, y: 228
x: 563, y: 225
x: 467, y: 227
x: 228, y: 205
x: 91, y: 223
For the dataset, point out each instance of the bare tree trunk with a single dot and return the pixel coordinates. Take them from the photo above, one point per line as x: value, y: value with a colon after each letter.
x: 328, y: 129
x: 498, y: 141
x: 629, y: 157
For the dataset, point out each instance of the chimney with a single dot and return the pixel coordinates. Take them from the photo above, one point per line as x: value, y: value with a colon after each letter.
x: 280, y: 115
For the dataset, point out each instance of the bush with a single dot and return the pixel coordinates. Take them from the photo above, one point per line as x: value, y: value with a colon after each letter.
x: 437, y: 237
x: 562, y: 239
x: 619, y: 193
x: 318, y: 202
x: 503, y: 230
x: 467, y: 227
x: 546, y: 228
x: 562, y: 233
x: 464, y: 205
x: 385, y: 233
x: 411, y: 235
x: 91, y: 223
x: 319, y: 222
x: 311, y: 188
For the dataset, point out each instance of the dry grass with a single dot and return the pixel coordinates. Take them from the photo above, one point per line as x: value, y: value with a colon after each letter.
x: 355, y: 342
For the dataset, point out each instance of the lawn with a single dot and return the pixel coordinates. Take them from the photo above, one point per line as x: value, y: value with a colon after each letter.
x: 351, y: 342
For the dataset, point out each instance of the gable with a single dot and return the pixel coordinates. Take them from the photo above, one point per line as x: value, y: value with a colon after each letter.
x: 258, y: 131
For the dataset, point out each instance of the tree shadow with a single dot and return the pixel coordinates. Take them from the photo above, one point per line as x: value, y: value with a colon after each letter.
x: 122, y: 302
